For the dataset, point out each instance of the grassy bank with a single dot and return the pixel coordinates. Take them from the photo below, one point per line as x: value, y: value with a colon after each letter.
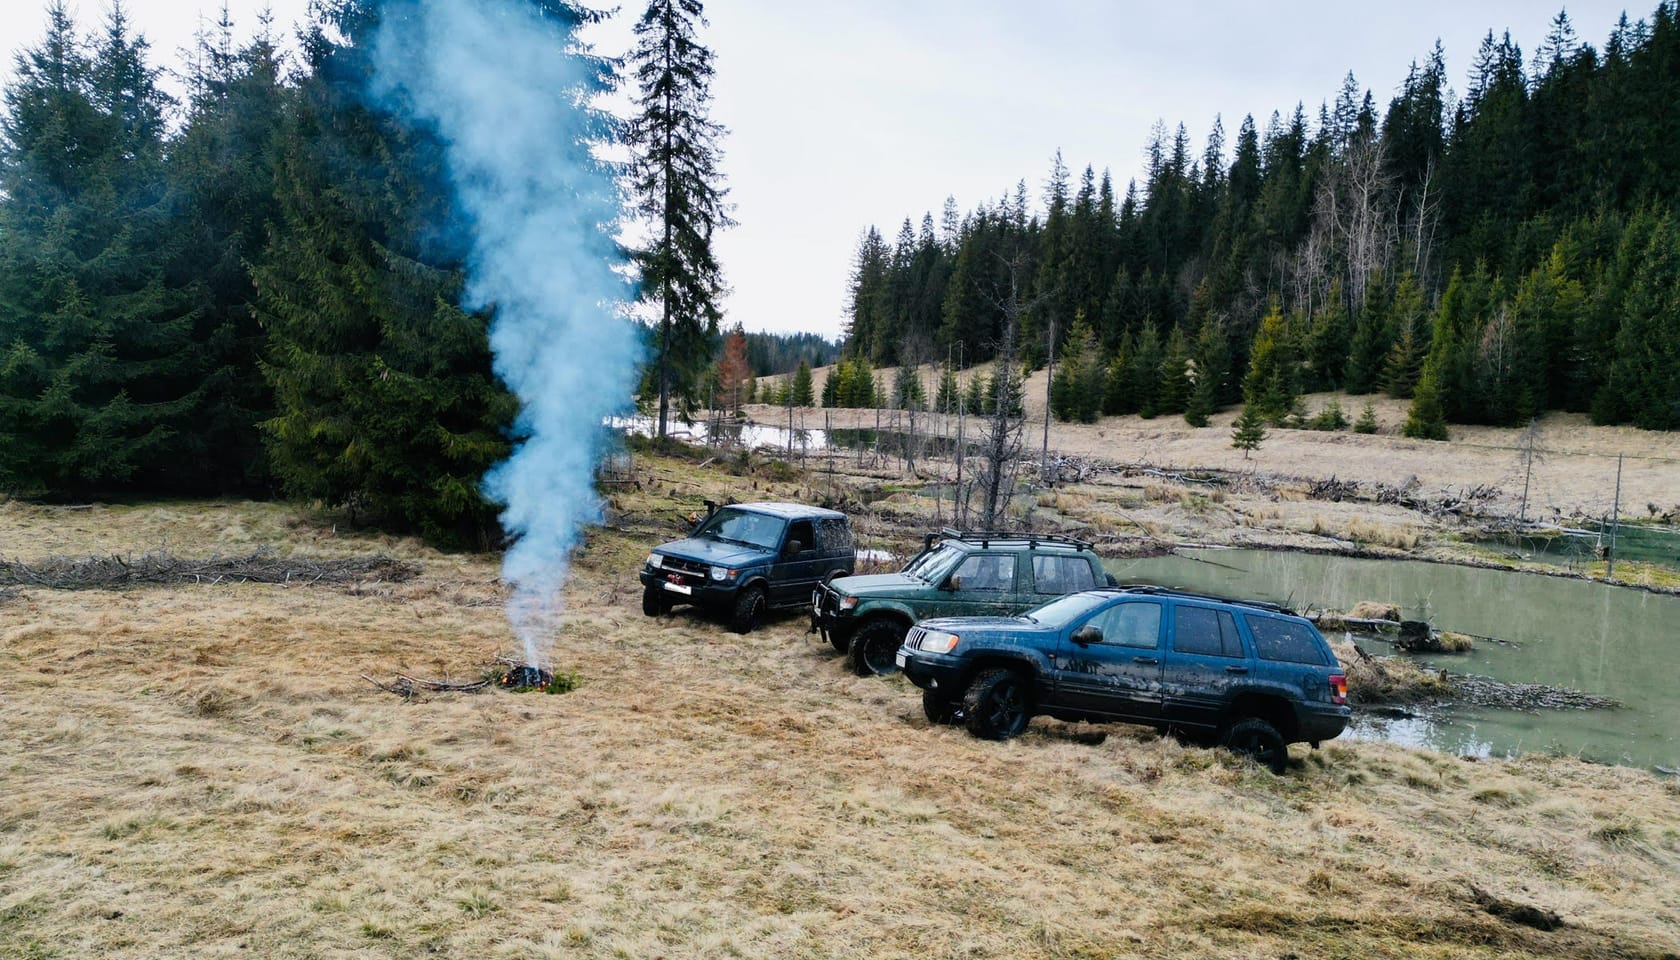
x: 201, y: 770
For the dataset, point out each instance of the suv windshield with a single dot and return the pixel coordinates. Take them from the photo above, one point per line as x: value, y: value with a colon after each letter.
x: 1063, y: 610
x: 934, y: 565
x: 739, y: 526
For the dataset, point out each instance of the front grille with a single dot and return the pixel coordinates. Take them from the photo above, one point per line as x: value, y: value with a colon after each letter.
x: 679, y: 565
x: 913, y: 639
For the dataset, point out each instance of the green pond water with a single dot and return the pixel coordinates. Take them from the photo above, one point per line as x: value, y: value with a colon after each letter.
x: 1613, y: 641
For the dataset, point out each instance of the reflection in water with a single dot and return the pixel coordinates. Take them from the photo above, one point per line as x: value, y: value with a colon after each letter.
x: 751, y: 435
x: 1614, y: 641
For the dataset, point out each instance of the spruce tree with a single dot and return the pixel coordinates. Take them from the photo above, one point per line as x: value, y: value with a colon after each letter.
x: 1248, y: 431
x: 1272, y: 386
x: 1367, y: 422
x: 799, y: 392
x: 945, y: 400
x: 675, y: 176
x: 1173, y: 391
x: 102, y: 381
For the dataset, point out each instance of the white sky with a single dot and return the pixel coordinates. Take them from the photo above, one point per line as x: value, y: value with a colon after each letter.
x: 844, y: 115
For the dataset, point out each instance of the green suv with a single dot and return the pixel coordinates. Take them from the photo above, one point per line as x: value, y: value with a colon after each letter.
x: 957, y: 574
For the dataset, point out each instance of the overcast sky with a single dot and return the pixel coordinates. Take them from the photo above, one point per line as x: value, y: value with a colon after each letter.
x: 865, y: 112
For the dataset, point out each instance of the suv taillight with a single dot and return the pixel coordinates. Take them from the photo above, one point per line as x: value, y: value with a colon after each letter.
x: 1338, y: 688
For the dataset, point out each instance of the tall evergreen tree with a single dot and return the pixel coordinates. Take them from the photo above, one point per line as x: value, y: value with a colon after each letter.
x: 675, y: 151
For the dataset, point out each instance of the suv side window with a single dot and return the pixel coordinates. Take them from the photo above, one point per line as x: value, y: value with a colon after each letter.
x: 1283, y: 640
x: 834, y: 537
x: 1057, y: 575
x: 1133, y: 624
x: 987, y: 573
x: 1204, y: 632
x: 800, y: 530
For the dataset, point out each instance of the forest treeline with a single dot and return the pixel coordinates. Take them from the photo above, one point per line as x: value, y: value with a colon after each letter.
x: 252, y: 289
x: 1491, y: 255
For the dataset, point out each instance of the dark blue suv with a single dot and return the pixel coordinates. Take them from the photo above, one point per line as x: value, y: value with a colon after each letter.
x: 745, y: 558
x: 1250, y: 676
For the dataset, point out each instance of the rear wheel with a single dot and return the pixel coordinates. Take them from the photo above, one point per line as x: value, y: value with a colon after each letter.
x: 748, y: 609
x: 940, y: 708
x: 1259, y: 741
x: 874, y: 648
x: 654, y: 603
x: 996, y: 705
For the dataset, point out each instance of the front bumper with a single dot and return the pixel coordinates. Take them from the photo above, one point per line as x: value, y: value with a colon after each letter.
x: 932, y: 671
x: 688, y: 588
x: 826, y: 616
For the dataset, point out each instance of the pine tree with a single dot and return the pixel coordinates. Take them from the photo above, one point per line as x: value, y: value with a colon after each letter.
x: 1173, y: 392
x: 799, y: 392
x: 1271, y: 386
x: 1248, y: 431
x: 103, y: 385
x: 945, y: 401
x: 385, y: 401
x: 1367, y: 422
x: 675, y: 153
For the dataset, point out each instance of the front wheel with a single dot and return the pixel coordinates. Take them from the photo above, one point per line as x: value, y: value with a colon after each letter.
x: 749, y: 607
x: 996, y: 705
x: 874, y: 648
x: 1259, y: 741
x: 654, y: 603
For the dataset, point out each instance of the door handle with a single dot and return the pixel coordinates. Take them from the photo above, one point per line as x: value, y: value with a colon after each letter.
x: 1147, y: 661
x: 1236, y: 669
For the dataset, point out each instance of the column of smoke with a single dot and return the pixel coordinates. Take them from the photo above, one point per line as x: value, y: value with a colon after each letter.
x: 506, y: 91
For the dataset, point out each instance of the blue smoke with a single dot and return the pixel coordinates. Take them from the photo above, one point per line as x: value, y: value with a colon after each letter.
x: 503, y: 84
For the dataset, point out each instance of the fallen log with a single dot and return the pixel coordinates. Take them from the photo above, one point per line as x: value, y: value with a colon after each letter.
x: 160, y: 567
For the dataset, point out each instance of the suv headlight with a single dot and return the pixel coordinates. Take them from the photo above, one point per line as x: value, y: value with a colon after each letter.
x: 938, y: 641
x: 653, y: 560
x: 848, y: 603
x: 724, y: 573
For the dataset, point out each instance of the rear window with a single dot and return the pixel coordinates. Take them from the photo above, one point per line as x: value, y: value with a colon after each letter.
x: 1053, y: 574
x: 1204, y: 632
x: 1284, y: 640
x: 834, y: 536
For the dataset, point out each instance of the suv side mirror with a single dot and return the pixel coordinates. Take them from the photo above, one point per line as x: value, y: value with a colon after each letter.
x: 953, y: 583
x: 1087, y: 635
x: 793, y: 547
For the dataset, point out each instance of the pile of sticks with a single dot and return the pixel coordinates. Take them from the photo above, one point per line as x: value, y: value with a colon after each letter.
x: 409, y: 687
x: 160, y: 567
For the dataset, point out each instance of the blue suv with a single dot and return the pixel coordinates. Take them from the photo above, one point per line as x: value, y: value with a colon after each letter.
x: 745, y: 558
x: 1250, y: 676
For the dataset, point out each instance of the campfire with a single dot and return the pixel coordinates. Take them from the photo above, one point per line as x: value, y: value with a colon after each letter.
x: 526, y: 677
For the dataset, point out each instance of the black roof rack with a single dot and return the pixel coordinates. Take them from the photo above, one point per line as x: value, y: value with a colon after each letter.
x: 1150, y: 588
x: 985, y: 537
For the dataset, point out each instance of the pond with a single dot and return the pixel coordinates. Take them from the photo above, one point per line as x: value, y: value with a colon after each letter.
x: 1613, y: 641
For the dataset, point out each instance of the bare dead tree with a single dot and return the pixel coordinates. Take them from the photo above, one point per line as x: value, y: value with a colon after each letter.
x: 1529, y: 447
x: 1002, y: 435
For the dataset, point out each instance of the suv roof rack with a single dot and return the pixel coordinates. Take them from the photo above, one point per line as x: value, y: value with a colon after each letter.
x: 1189, y: 595
x: 985, y: 537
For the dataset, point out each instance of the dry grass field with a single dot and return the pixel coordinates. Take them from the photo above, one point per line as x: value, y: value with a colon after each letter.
x: 201, y: 771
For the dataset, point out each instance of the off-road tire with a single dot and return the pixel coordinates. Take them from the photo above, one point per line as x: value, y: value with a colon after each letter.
x: 748, y: 610
x: 654, y: 603
x: 941, y: 709
x: 874, y: 648
x: 996, y: 705
x: 1259, y: 741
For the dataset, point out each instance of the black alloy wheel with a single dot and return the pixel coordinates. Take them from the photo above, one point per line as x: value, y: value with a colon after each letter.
x: 996, y: 705
x: 1258, y: 741
x: 874, y: 648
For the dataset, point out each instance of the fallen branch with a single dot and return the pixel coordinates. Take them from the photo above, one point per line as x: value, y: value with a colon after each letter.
x: 159, y: 567
x: 408, y: 687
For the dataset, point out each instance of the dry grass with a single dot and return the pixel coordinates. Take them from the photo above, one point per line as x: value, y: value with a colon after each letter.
x: 200, y: 771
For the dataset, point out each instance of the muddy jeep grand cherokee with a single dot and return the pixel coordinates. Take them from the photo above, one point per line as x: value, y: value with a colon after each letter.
x: 957, y: 574
x: 1252, y: 677
x: 746, y: 558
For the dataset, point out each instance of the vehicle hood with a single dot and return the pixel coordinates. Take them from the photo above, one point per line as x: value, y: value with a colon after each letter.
x: 706, y: 550
x: 1010, y: 624
x: 880, y: 584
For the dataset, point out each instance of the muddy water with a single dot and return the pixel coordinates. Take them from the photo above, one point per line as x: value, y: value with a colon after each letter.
x: 1613, y: 641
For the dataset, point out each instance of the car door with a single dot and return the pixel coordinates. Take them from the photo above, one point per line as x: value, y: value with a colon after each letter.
x: 1119, y: 675
x: 798, y: 565
x: 1204, y: 661
x: 984, y: 586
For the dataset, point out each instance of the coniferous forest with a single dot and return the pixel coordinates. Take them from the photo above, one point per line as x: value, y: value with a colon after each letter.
x: 1490, y: 255
x: 252, y: 289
